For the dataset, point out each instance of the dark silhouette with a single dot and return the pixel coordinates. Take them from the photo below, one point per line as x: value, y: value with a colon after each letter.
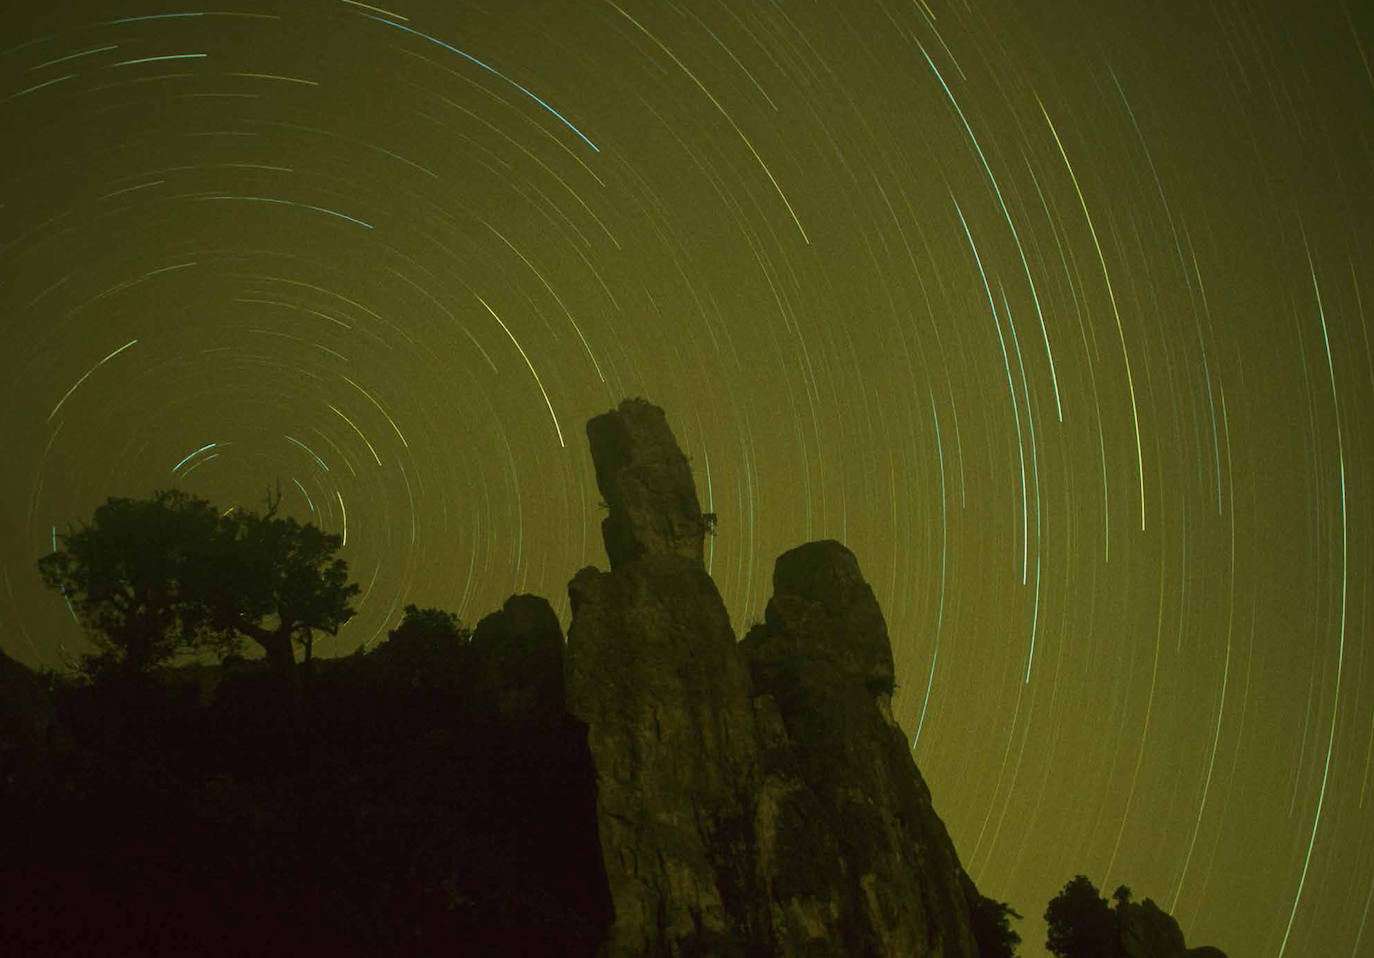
x: 992, y: 930
x: 428, y: 644
x: 170, y: 816
x: 152, y: 578
x: 126, y: 576
x: 273, y: 580
x: 648, y: 786
x: 1083, y: 925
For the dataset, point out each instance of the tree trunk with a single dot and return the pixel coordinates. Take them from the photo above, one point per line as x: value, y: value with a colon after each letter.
x: 277, y: 645
x: 283, y: 662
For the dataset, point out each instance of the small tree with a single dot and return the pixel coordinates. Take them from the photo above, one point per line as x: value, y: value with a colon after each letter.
x: 128, y: 576
x: 992, y: 928
x: 152, y: 578
x: 420, y: 625
x: 427, y: 643
x: 1081, y: 924
x: 276, y: 581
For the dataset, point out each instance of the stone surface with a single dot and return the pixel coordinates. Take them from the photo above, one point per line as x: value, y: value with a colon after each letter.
x: 800, y: 861
x: 653, y: 672
x: 647, y: 486
x: 823, y: 654
x: 754, y: 799
x: 518, y: 653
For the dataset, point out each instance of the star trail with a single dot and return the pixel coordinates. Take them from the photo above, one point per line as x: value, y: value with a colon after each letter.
x: 1056, y: 314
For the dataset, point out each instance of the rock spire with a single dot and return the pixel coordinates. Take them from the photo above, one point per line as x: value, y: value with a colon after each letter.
x: 753, y: 799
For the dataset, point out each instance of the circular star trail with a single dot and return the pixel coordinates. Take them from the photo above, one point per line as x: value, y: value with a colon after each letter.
x: 1057, y: 315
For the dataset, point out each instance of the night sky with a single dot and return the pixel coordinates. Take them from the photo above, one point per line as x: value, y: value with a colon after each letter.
x: 1056, y: 313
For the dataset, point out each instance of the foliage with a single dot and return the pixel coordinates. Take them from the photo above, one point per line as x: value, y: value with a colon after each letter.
x: 425, y: 624
x: 1081, y: 924
x: 151, y: 578
x: 992, y: 930
x: 275, y: 580
x: 428, y: 643
x: 127, y: 576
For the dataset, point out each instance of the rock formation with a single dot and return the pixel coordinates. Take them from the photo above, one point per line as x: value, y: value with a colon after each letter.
x: 822, y: 654
x: 752, y: 799
x: 656, y: 789
x: 653, y: 670
x: 1148, y: 931
x: 517, y: 654
x: 647, y: 486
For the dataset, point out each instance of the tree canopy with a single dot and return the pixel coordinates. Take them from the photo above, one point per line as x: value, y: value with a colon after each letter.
x: 151, y: 578
x: 1081, y: 923
x: 429, y: 648
x: 275, y: 580
x: 127, y: 577
x: 992, y: 930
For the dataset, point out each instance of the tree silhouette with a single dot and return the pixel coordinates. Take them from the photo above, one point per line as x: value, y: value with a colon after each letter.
x: 150, y: 578
x: 1081, y: 924
x: 420, y: 626
x: 127, y: 576
x: 430, y: 648
x: 274, y: 580
x: 992, y: 932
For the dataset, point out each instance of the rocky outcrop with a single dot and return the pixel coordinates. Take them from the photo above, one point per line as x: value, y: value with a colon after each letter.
x: 653, y: 670
x: 753, y: 799
x: 517, y: 654
x: 1148, y: 931
x: 823, y: 655
x: 647, y: 486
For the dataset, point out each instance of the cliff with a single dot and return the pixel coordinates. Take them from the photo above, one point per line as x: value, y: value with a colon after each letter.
x: 753, y: 798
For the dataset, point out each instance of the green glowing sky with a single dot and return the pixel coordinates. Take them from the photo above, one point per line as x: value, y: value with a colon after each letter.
x: 1056, y: 313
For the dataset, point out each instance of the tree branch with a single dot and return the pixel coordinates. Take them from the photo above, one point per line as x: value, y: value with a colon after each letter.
x: 255, y: 632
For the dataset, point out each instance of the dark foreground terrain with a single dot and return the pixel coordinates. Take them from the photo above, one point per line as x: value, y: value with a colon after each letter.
x: 415, y: 808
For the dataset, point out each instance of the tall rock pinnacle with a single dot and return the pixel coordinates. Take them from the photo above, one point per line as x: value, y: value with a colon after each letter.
x: 822, y: 654
x: 776, y: 814
x: 647, y: 485
x: 653, y: 670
